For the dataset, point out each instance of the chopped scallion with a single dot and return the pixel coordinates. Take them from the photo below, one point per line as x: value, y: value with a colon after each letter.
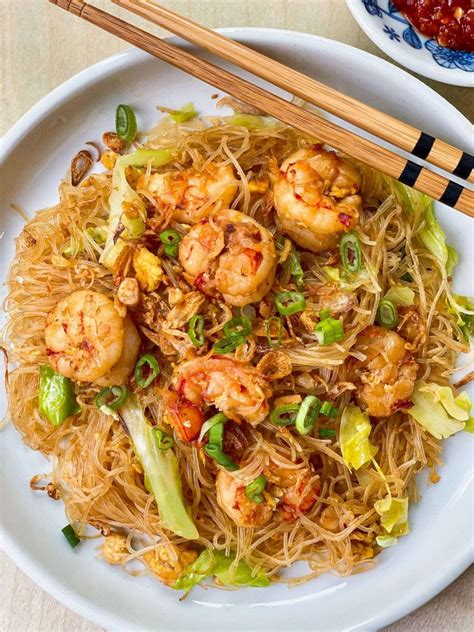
x: 254, y: 490
x: 70, y: 536
x: 126, y: 123
x: 146, y: 370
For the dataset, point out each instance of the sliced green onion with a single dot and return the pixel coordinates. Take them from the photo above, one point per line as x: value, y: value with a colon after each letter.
x: 254, y: 490
x: 146, y: 370
x: 113, y: 397
x: 351, y: 255
x: 324, y: 314
x: 209, y: 423
x: 126, y: 123
x: 327, y: 433
x: 170, y: 237
x: 70, y: 536
x: 329, y: 331
x: 240, y: 325
x: 387, y: 314
x: 196, y: 330
x: 288, y: 303
x: 307, y: 414
x: 328, y: 410
x: 216, y: 433
x: 163, y: 441
x: 295, y: 268
x: 274, y: 343
x: 171, y: 250
x: 216, y: 453
x: 284, y: 415
x: 228, y: 344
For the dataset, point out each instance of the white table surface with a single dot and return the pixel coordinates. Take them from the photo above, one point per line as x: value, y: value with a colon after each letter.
x: 41, y: 47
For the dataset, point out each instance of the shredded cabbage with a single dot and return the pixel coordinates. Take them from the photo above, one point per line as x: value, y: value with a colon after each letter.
x: 432, y: 408
x: 347, y: 280
x: 217, y: 563
x: 431, y: 235
x: 161, y: 471
x: 186, y: 113
x: 354, y: 437
x: 123, y: 224
x: 393, y: 514
x: 247, y: 120
x: 400, y: 295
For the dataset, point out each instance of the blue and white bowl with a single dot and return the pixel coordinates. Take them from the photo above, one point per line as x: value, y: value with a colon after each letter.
x: 389, y: 29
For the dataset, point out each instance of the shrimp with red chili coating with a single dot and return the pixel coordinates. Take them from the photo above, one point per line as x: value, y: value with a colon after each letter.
x: 192, y: 194
x: 386, y: 377
x: 230, y: 254
x: 316, y: 197
x: 235, y: 388
x: 243, y: 511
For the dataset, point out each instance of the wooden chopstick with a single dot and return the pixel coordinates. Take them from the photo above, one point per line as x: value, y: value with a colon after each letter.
x: 390, y: 129
x: 362, y: 149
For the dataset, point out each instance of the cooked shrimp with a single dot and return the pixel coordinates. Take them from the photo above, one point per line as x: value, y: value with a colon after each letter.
x: 192, y: 194
x: 315, y: 195
x: 232, y: 499
x: 235, y: 388
x: 121, y: 371
x: 84, y: 336
x: 386, y: 378
x: 298, y: 489
x: 231, y: 254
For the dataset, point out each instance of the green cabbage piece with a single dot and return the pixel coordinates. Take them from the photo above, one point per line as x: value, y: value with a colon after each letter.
x: 217, y: 563
x: 250, y: 121
x: 123, y: 196
x: 393, y: 514
x: 386, y: 540
x: 463, y: 306
x: 400, y: 295
x: 429, y: 410
x: 354, y: 437
x: 347, y: 280
x: 161, y: 471
x: 186, y: 113
x: 431, y: 235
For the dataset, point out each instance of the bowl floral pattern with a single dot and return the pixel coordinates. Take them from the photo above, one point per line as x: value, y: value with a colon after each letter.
x: 397, y: 27
x: 390, y: 30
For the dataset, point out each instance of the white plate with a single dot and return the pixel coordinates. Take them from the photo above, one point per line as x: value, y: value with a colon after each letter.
x: 37, y: 152
x: 390, y: 30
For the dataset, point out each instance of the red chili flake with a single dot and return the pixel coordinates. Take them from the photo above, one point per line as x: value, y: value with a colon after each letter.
x: 344, y: 219
x: 255, y: 258
x: 404, y: 403
x: 200, y: 281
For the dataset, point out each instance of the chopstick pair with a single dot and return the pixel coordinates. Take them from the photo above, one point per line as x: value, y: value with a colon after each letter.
x: 406, y: 171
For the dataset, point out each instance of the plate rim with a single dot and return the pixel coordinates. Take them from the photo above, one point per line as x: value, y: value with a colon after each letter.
x: 11, y: 139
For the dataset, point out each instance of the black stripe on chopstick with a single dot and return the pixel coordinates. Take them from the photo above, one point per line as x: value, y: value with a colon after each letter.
x: 465, y: 166
x: 451, y: 194
x: 410, y: 173
x: 423, y: 146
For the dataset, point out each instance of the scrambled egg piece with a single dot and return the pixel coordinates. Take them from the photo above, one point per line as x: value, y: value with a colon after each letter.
x: 147, y: 269
x: 168, y: 565
x: 114, y: 550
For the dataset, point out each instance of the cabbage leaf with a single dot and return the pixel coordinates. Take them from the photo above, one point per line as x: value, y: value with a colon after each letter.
x: 431, y: 235
x: 393, y: 514
x: 429, y: 410
x: 400, y: 295
x: 161, y: 471
x: 127, y: 213
x: 186, y: 113
x: 354, y: 437
x: 219, y: 564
